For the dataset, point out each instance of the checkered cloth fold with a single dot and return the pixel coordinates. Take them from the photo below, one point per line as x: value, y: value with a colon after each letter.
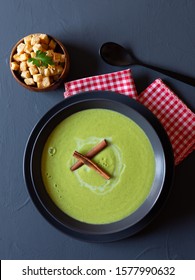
x: 176, y: 118
x: 120, y: 82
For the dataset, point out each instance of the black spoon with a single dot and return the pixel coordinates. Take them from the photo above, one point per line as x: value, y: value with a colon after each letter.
x: 116, y: 55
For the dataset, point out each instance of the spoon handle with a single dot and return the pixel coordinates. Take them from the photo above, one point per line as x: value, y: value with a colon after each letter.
x: 177, y: 76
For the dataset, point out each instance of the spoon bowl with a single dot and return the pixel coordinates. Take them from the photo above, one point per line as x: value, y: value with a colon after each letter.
x: 116, y: 55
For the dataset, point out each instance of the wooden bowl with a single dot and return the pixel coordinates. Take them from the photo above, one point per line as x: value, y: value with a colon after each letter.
x: 60, y: 48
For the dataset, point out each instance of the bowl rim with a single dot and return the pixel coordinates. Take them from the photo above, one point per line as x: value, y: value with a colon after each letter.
x: 55, y: 84
x: 71, y: 226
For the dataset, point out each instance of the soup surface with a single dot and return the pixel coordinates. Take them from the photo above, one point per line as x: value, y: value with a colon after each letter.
x: 85, y: 195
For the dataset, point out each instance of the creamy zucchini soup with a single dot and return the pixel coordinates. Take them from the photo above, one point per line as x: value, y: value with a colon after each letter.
x: 83, y: 193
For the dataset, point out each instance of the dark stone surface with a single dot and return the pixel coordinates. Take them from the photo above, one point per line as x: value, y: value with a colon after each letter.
x: 160, y: 33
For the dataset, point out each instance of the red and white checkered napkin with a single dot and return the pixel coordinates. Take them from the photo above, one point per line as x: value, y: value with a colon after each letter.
x: 177, y: 119
x: 121, y: 82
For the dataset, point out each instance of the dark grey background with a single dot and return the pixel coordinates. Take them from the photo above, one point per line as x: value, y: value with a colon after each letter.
x: 159, y: 32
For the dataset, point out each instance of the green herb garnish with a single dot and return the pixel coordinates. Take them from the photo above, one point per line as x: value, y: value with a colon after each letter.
x: 41, y: 59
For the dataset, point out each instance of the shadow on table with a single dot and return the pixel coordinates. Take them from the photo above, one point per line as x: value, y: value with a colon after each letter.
x: 83, y: 62
x: 180, y: 206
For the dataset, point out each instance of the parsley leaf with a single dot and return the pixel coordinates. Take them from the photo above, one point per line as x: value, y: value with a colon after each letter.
x: 41, y: 59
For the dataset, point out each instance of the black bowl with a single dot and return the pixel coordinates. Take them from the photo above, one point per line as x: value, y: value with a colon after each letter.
x: 163, y: 175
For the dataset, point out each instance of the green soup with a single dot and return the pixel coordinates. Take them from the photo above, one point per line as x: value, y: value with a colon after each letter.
x: 84, y: 194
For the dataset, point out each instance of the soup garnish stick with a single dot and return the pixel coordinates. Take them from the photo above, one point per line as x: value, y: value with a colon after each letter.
x: 91, y: 164
x: 94, y: 151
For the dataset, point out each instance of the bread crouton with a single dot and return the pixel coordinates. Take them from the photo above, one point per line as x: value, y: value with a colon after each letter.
x: 25, y: 74
x: 45, y: 47
x: 56, y: 57
x: 15, y: 66
x: 24, y: 56
x: 20, y: 48
x: 50, y: 53
x: 29, y: 81
x: 37, y: 78
x: 33, y: 70
x: 35, y: 40
x: 23, y: 66
x: 59, y: 69
x: 44, y: 83
x: 37, y: 47
x: 41, y: 69
x: 62, y: 58
x: 27, y: 39
x: 52, y: 44
x: 16, y: 57
x: 28, y: 48
x: 47, y: 72
x: 29, y: 63
x: 33, y: 54
x: 44, y: 39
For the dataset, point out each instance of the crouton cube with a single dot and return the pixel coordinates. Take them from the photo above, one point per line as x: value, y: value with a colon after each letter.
x: 37, y: 78
x: 52, y: 44
x: 40, y: 85
x: 47, y: 72
x: 15, y: 66
x: 44, y: 83
x: 29, y: 63
x: 41, y: 69
x: 29, y: 81
x: 27, y: 39
x: 23, y: 66
x: 45, y: 47
x: 24, y: 56
x: 37, y: 47
x: 62, y: 58
x: 56, y: 57
x: 59, y: 69
x: 26, y: 74
x: 35, y: 40
x: 35, y: 34
x: 53, y: 70
x: 28, y: 48
x: 16, y: 57
x: 44, y: 38
x: 20, y: 48
x: 33, y: 70
x: 33, y: 54
x: 50, y: 53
